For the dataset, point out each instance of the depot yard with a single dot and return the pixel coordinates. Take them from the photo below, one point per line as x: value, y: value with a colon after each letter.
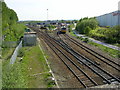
x: 66, y: 74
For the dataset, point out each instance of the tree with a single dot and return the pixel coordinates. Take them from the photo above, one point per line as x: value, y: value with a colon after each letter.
x: 11, y: 29
x: 87, y: 30
x: 83, y: 23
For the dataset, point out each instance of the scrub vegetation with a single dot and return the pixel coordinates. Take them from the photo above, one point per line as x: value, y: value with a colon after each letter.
x: 89, y: 27
x: 29, y: 72
x: 12, y: 30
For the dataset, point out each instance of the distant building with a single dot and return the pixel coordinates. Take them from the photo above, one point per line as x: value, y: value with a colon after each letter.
x: 47, y: 22
x: 110, y: 19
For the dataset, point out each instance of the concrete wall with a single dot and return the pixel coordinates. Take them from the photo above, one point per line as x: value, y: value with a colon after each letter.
x: 29, y: 40
x: 110, y: 19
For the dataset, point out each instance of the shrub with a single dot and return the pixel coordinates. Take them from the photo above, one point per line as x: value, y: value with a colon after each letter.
x: 113, y: 35
x: 86, y: 40
x: 107, y: 26
x: 86, y: 23
x: 87, y: 30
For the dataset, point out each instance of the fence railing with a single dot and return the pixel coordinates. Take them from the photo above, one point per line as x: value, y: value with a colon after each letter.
x: 14, y: 56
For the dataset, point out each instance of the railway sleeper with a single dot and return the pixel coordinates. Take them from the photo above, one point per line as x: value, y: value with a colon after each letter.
x: 88, y: 83
x: 101, y: 56
x: 81, y: 75
x: 97, y: 67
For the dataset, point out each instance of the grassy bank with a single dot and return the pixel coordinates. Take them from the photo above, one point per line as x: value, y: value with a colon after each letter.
x: 30, y: 72
x: 111, y: 52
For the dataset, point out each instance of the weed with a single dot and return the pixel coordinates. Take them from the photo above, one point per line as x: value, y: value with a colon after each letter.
x: 111, y: 52
x: 21, y: 52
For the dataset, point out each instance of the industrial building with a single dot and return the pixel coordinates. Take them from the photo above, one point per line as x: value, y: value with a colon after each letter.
x: 110, y: 19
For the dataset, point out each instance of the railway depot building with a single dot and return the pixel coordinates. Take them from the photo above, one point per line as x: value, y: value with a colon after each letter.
x: 109, y: 19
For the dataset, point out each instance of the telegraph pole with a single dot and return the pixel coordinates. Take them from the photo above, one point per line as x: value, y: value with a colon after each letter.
x: 119, y: 6
x: 47, y: 14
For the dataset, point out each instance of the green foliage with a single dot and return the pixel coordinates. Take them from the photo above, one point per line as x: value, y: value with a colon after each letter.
x: 30, y: 72
x: 87, y: 30
x: 70, y: 27
x: 72, y: 33
x: 13, y: 76
x: 11, y: 29
x: 86, y: 23
x: 51, y: 27
x: 113, y: 35
x: 109, y: 35
x: 89, y: 26
x: 107, y: 26
x: 21, y: 52
x: 85, y: 40
x: 112, y: 52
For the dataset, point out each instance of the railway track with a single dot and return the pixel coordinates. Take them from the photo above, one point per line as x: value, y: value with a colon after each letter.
x: 106, y: 75
x: 74, y: 64
x: 86, y: 81
x: 105, y: 60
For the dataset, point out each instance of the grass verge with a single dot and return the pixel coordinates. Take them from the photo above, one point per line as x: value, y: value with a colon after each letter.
x: 29, y: 72
x: 111, y: 52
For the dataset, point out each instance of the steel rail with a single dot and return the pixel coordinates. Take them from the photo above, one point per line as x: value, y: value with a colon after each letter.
x: 91, y: 63
x: 65, y: 62
x: 94, y: 64
x: 85, y: 64
x: 77, y: 66
x: 89, y: 51
x: 102, y: 60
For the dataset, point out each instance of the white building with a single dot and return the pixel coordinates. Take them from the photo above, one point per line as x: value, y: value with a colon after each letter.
x: 110, y: 19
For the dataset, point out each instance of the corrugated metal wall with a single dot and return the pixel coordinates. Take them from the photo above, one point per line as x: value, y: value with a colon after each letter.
x: 110, y: 19
x: 119, y: 18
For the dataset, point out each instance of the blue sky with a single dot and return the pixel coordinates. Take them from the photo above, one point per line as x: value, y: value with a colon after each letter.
x: 61, y: 9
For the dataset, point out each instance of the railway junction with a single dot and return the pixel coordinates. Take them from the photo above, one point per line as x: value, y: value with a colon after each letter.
x: 76, y: 64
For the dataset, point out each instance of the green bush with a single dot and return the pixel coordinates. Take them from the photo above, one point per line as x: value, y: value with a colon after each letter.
x: 107, y: 26
x: 87, y: 30
x: 85, y: 40
x: 108, y: 35
x: 86, y: 23
x: 113, y: 35
x: 70, y: 27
